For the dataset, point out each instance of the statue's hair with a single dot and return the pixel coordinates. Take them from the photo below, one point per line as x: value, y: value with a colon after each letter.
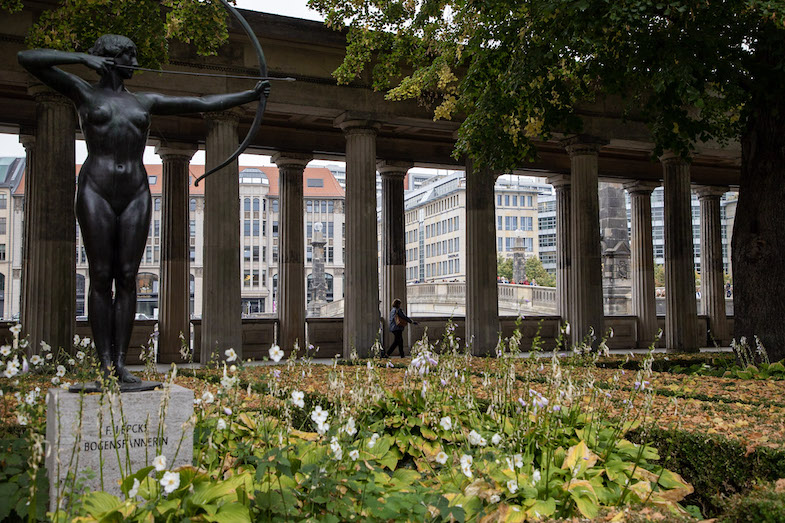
x: 111, y: 45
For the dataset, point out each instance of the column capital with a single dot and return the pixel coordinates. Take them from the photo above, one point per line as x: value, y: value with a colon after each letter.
x: 583, y: 144
x: 351, y: 123
x: 287, y: 159
x: 176, y: 149
x: 229, y: 115
x: 43, y: 94
x: 672, y: 157
x: 393, y: 168
x: 559, y: 181
x: 27, y: 140
x: 710, y: 191
x: 641, y: 187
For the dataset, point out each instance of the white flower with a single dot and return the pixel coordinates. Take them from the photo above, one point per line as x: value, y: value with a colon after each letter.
x: 298, y: 398
x: 208, y: 397
x: 80, y: 355
x: 134, y: 490
x: 48, y: 356
x: 71, y: 362
x: 86, y: 343
x: 496, y: 439
x: 536, y: 476
x: 5, y: 350
x: 60, y: 371
x: 318, y: 415
x: 45, y: 346
x: 476, y: 439
x: 441, y: 458
x: 512, y: 486
x: 55, y: 381
x: 221, y: 425
x: 231, y: 355
x: 322, y: 428
x: 76, y: 339
x: 170, y: 481
x: 233, y: 368
x: 30, y: 397
x: 276, y: 353
x: 10, y: 371
x: 36, y: 360
x: 495, y: 498
x: 16, y: 329
x: 21, y: 418
x: 466, y: 465
x: 372, y: 441
x: 159, y: 462
x: 350, y: 429
x: 336, y: 448
x: 446, y: 423
x: 354, y: 454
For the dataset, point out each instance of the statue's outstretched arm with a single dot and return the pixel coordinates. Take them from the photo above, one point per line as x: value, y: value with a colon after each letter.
x: 163, y: 104
x: 41, y: 64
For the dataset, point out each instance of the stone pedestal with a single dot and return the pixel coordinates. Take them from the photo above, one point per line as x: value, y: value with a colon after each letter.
x: 291, y: 279
x: 482, y: 295
x: 644, y: 304
x: 586, y: 309
x: 50, y: 275
x: 114, y: 436
x: 712, y: 274
x: 318, y: 279
x: 362, y: 313
x: 174, y: 302
x: 615, y: 242
x: 681, y: 315
x: 561, y: 184
x: 393, y: 242
x: 222, y: 305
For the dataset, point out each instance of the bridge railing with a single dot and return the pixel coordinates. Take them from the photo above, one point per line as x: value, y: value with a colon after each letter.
x: 511, y: 296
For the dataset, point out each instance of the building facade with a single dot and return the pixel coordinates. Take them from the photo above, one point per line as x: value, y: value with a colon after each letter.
x: 259, y: 248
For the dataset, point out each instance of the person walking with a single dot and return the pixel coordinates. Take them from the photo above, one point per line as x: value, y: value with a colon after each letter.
x: 398, y: 321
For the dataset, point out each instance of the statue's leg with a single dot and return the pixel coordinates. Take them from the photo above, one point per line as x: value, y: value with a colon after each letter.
x: 98, y: 224
x: 133, y: 226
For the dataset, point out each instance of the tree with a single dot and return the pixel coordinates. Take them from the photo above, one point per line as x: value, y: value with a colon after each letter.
x: 535, y: 271
x: 518, y: 71
x: 75, y: 25
x: 504, y: 267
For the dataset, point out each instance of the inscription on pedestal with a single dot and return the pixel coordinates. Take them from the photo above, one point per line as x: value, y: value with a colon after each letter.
x: 113, y: 436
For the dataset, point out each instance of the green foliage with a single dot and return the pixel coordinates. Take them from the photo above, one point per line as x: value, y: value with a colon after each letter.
x: 535, y: 271
x: 716, y: 467
x: 765, y: 503
x: 76, y: 24
x: 519, y: 70
x: 15, y: 482
x: 504, y: 266
x: 659, y: 275
x: 11, y: 6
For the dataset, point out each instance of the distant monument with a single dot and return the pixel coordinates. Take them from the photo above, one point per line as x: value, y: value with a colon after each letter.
x: 518, y: 258
x: 318, y: 280
x: 616, y: 282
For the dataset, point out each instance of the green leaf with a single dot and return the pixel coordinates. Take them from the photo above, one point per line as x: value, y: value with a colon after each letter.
x: 98, y: 503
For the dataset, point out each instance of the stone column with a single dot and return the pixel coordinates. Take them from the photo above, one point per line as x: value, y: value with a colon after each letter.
x: 393, y: 240
x: 712, y: 280
x: 563, y: 237
x: 291, y: 269
x: 50, y: 301
x: 681, y: 317
x: 221, y: 310
x: 361, y: 304
x: 586, y: 310
x: 27, y: 139
x: 482, y: 295
x: 644, y: 305
x: 174, y: 316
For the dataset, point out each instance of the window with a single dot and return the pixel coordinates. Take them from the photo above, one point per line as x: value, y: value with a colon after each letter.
x: 247, y: 228
x: 275, y: 235
x: 152, y: 180
x: 324, y: 206
x: 314, y: 182
x: 256, y: 204
x: 275, y: 205
x: 192, y: 253
x: 330, y: 206
x: 507, y: 200
x: 156, y: 227
x: 2, y: 252
x: 2, y: 225
x: 247, y: 205
x: 309, y: 206
x: 515, y: 200
x: 527, y: 223
x: 255, y: 249
x: 498, y: 200
x: 499, y: 244
x: 256, y: 227
x: 157, y: 204
x: 529, y: 200
x: 192, y: 205
x: 192, y: 227
x: 4, y: 201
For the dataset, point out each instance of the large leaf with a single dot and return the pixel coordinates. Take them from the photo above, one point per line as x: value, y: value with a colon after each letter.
x: 99, y: 503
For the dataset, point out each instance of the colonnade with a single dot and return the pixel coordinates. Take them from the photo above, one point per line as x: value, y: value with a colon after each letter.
x: 49, y: 261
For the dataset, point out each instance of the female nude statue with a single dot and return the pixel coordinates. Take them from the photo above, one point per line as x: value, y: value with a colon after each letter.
x: 113, y: 197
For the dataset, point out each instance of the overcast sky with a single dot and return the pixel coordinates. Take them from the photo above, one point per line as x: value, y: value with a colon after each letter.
x: 9, y: 143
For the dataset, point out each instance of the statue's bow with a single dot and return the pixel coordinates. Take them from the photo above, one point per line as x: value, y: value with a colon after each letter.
x: 257, y: 121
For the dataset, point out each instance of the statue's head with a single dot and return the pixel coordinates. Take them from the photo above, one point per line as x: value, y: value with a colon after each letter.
x: 112, y: 46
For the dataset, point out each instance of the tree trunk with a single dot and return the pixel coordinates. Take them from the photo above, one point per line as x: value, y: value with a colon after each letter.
x: 759, y: 229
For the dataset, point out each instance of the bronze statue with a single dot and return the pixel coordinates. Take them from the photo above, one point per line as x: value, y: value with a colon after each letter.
x: 113, y: 197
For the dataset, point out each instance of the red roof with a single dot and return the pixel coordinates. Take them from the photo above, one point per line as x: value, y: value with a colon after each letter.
x: 330, y: 186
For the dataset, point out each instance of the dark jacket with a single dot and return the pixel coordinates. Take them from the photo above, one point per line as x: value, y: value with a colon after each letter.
x: 394, y: 326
